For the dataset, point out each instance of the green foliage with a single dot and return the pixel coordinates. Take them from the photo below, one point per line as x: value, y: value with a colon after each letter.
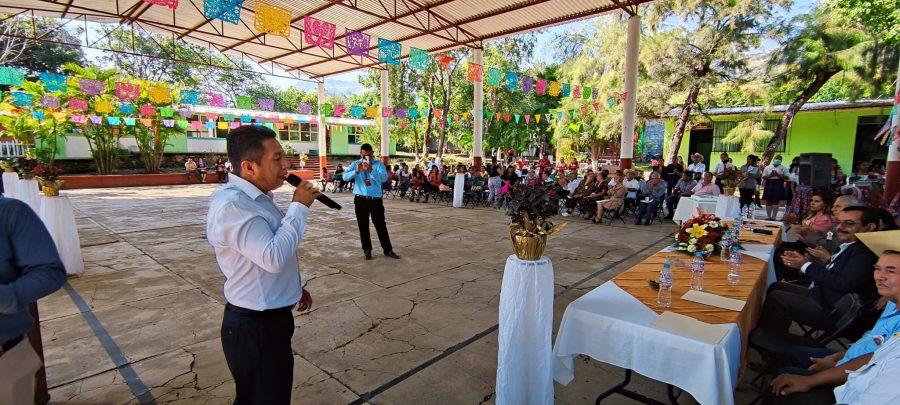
x: 750, y: 135
x: 878, y: 17
x: 34, y: 57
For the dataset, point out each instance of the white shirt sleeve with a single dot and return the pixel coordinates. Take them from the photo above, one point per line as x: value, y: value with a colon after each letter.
x: 248, y: 233
x: 804, y: 267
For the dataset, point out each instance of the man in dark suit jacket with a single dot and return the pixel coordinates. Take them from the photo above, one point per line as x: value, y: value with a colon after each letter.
x: 848, y: 271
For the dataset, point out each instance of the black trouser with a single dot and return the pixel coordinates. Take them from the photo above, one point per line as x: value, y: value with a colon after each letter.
x: 647, y: 210
x: 816, y: 396
x: 374, y: 207
x: 257, y: 348
x: 786, y: 302
x: 747, y: 195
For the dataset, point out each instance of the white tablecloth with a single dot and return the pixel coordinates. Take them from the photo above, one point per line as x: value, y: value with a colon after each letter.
x: 524, y: 360
x: 611, y: 326
x: 59, y: 218
x: 459, y: 186
x: 27, y: 190
x: 723, y: 206
x: 728, y: 206
x: 10, y: 184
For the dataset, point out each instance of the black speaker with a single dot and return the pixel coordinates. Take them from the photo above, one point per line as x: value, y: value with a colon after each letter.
x: 816, y: 169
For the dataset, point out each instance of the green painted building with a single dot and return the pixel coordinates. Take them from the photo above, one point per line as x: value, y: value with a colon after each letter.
x: 846, y: 130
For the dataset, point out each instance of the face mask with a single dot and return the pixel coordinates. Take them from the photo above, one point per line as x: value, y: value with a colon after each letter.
x: 777, y: 162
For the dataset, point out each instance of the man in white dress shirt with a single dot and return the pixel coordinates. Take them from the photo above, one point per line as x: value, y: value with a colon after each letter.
x: 256, y: 248
x: 697, y: 167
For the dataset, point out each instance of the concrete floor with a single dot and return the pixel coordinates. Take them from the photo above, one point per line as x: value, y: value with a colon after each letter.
x: 143, y: 320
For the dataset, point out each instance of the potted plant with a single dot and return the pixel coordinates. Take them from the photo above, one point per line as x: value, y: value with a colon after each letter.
x: 7, y: 166
x: 48, y: 178
x: 303, y: 158
x: 529, y: 208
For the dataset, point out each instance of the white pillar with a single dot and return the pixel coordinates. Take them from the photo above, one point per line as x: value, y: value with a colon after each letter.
x: 892, y: 177
x: 320, y: 126
x: 629, y: 111
x: 385, y: 131
x: 478, y: 115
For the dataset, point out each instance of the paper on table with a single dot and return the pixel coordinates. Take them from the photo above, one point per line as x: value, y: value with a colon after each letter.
x: 758, y: 250
x: 690, y: 327
x: 714, y: 300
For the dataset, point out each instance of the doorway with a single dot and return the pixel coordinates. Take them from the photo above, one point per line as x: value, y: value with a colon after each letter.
x: 866, y: 147
x: 701, y: 142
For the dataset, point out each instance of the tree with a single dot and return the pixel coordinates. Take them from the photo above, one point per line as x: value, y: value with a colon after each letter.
x: 809, y: 57
x: 710, y: 45
x: 102, y: 139
x: 48, y: 54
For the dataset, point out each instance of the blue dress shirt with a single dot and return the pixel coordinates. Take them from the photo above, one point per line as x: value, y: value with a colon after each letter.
x: 30, y: 267
x: 377, y: 176
x: 887, y: 325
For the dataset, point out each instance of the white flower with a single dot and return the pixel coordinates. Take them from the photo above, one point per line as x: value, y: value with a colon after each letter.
x: 692, y: 248
x: 714, y: 224
x: 692, y: 241
x: 709, y: 248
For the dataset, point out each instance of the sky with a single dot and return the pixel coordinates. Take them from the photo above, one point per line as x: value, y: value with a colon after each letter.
x: 545, y: 52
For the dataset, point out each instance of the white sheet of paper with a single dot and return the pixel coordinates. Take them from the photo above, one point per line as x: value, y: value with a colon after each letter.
x: 714, y: 300
x: 690, y: 327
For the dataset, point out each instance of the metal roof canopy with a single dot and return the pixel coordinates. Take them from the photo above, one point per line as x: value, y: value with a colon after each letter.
x: 431, y: 25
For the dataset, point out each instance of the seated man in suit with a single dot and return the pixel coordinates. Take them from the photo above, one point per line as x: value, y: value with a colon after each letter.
x: 847, y: 271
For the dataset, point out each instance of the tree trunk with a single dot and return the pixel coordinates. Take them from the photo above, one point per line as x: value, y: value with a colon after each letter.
x: 682, y: 122
x: 427, y: 136
x: 595, y: 154
x: 788, y: 118
x: 442, y: 142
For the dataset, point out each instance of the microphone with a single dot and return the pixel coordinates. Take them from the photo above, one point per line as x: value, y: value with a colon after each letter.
x: 322, y: 198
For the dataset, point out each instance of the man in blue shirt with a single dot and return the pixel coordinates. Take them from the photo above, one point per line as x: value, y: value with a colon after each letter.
x: 30, y: 269
x: 367, y: 175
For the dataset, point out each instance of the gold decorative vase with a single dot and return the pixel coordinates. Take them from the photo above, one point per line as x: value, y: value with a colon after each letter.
x: 527, y: 247
x: 50, y: 188
x: 728, y: 191
x: 7, y: 168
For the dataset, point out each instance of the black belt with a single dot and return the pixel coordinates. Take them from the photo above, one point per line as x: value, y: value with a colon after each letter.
x: 365, y: 197
x: 239, y: 310
x: 9, y: 344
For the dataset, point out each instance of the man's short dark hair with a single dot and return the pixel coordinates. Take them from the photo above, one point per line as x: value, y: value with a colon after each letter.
x: 246, y: 143
x: 867, y: 216
x: 366, y: 147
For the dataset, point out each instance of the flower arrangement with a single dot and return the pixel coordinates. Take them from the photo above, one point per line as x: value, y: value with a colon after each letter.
x: 700, y: 233
x: 303, y: 158
x: 730, y: 176
x: 529, y: 208
x: 48, y: 178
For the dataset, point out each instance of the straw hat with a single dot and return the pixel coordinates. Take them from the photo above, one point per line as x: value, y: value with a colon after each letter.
x: 878, y: 242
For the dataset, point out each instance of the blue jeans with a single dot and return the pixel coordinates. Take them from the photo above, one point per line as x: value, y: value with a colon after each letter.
x: 648, y: 210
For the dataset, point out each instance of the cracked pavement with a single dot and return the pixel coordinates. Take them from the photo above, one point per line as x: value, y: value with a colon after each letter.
x: 152, y: 282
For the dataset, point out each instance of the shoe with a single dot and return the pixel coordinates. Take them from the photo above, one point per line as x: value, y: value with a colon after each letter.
x: 392, y: 255
x: 565, y: 214
x: 647, y: 223
x: 368, y: 254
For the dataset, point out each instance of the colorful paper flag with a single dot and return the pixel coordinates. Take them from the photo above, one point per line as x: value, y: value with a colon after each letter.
x: 371, y: 112
x: 243, y: 102
x: 172, y: 4
x: 266, y: 104
x: 127, y: 91
x: 419, y: 59
x: 566, y: 90
x: 493, y: 77
x: 226, y: 10
x: 11, y: 76
x: 49, y: 101
x: 576, y: 92
x: 554, y: 89
x: 517, y: 118
x: 53, y: 81
x: 210, y: 125
x: 388, y: 52
x: 90, y: 86
x: 610, y: 102
x: 148, y: 110
x: 386, y: 112
x: 527, y: 119
x: 304, y: 108
x: 37, y: 114
x: 358, y: 43
x: 190, y: 97
x: 526, y: 84
x: 357, y: 111
x: 339, y: 110
x: 77, y: 104
x: 129, y: 121
x: 216, y: 99
x: 168, y: 123
x: 624, y: 96
x: 271, y: 19
x: 318, y: 33
x: 159, y: 95
x: 167, y: 112
x: 586, y: 93
x: 541, y: 86
x: 77, y: 118
x: 185, y: 113
x: 115, y: 121
x: 512, y: 81
x: 537, y: 118
x: 103, y: 107
x: 222, y: 125
x: 399, y: 113
x: 126, y: 109
x: 475, y: 72
x: 445, y: 60
x: 182, y: 124
x: 96, y: 119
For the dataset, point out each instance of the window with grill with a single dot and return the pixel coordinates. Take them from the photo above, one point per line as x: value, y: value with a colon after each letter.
x: 721, y: 129
x: 303, y: 132
x: 354, y: 135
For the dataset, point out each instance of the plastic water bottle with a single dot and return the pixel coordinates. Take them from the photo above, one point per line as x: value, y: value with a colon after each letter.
x: 725, y: 246
x: 666, y: 279
x: 698, y: 266
x: 737, y: 221
x: 734, y: 267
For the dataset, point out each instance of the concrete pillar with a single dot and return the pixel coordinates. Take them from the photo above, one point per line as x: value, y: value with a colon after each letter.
x: 629, y: 112
x: 477, y: 108
x: 385, y: 130
x: 892, y: 177
x: 321, y: 134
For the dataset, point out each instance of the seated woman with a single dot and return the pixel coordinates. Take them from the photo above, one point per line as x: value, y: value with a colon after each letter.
x: 655, y: 190
x: 588, y: 205
x: 616, y: 199
x: 339, y: 177
x: 580, y: 192
x: 434, y: 182
x: 417, y: 187
x: 818, y: 217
